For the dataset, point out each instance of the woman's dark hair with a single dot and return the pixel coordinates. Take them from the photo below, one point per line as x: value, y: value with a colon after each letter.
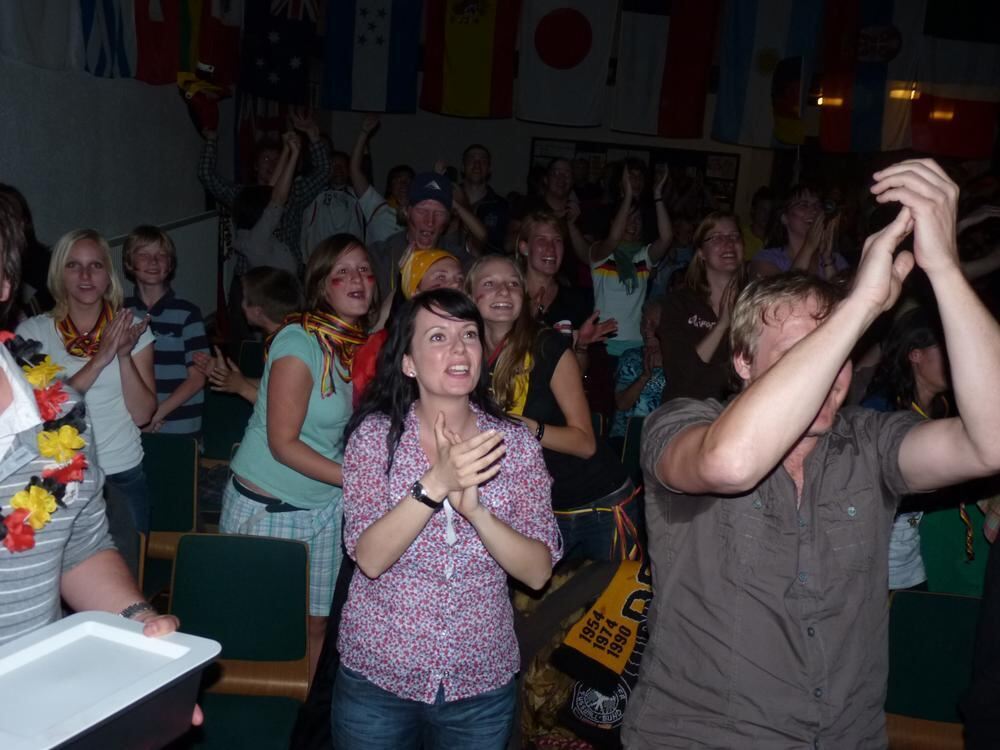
x: 34, y: 260
x: 917, y: 328
x: 777, y: 234
x: 250, y: 204
x: 391, y: 392
x: 12, y: 243
x: 396, y: 171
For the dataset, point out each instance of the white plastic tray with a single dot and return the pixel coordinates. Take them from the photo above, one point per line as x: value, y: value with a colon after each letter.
x: 59, y: 681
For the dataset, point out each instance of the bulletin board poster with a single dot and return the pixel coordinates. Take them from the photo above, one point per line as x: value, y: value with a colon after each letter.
x: 718, y: 171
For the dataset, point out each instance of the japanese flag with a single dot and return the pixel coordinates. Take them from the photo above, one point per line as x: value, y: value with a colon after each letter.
x: 564, y: 51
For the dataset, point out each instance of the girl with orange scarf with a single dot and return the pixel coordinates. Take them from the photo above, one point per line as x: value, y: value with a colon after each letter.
x: 287, y: 473
x: 107, y: 356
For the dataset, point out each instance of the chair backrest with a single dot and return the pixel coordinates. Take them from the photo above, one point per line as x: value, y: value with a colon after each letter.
x: 251, y: 358
x: 249, y: 593
x: 630, y: 448
x: 224, y: 420
x: 931, y: 640
x: 171, y: 466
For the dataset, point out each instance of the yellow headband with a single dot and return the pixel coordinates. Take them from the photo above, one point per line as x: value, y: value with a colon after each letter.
x: 416, y: 266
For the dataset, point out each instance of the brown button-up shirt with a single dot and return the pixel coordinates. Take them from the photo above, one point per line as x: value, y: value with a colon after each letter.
x: 768, y: 628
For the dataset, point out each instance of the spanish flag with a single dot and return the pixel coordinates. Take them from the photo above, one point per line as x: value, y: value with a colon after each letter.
x: 469, y: 57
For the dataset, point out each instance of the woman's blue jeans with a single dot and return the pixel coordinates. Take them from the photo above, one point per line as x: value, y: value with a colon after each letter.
x: 366, y: 717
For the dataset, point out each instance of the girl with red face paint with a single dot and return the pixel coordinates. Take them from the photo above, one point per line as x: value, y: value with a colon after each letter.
x: 287, y: 473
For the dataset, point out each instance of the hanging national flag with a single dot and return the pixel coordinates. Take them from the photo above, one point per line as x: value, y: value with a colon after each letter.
x: 372, y: 52
x: 277, y: 39
x: 870, y: 62
x: 259, y: 119
x: 158, y: 40
x: 664, y: 61
x: 218, y: 47
x: 43, y: 33
x: 767, y: 57
x: 469, y: 57
x: 563, y: 68
x: 109, y: 39
x: 910, y: 73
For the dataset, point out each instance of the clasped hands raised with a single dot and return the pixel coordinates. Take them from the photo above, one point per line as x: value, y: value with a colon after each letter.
x: 119, y: 337
x: 929, y: 206
x: 462, y: 465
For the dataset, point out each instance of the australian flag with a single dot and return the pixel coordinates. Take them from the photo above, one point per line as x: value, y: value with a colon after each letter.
x: 278, y: 39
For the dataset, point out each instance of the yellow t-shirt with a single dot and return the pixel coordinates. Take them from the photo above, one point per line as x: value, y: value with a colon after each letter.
x: 752, y: 244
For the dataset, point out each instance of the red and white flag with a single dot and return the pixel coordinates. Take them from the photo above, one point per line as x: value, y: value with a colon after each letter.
x: 664, y: 63
x: 563, y: 69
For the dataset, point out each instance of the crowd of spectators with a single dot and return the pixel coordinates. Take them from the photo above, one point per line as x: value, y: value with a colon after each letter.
x: 450, y: 381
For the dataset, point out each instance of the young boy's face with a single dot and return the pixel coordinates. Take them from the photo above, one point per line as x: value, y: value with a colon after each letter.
x: 151, y: 264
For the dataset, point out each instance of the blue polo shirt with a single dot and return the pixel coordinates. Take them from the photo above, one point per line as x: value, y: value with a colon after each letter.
x: 180, y: 332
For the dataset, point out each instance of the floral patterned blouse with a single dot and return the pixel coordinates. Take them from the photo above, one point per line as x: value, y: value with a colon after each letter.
x: 441, y: 615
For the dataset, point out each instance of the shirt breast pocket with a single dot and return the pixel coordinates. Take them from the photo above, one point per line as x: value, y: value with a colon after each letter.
x: 747, y: 531
x: 850, y: 530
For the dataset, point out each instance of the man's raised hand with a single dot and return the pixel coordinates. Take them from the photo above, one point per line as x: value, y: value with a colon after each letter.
x: 921, y: 186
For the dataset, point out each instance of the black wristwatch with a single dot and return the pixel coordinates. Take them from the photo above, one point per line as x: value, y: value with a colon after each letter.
x: 420, y: 494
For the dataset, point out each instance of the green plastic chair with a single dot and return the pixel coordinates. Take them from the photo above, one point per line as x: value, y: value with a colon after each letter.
x: 931, y: 639
x: 251, y: 360
x: 224, y: 583
x: 246, y: 722
x: 942, y: 547
x: 224, y: 420
x: 251, y: 594
x: 171, y: 466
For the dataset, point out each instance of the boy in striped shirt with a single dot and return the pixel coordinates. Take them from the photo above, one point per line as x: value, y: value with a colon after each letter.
x: 150, y: 259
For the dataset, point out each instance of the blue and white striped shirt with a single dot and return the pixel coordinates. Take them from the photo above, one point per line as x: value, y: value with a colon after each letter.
x: 180, y: 332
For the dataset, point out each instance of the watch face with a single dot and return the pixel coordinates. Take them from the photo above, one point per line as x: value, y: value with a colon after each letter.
x: 419, y: 493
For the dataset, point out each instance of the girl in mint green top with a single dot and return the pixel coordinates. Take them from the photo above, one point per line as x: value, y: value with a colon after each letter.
x: 321, y: 429
x: 287, y: 473
x: 291, y: 450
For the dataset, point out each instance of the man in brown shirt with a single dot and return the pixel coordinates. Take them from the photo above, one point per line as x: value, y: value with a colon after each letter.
x: 769, y: 516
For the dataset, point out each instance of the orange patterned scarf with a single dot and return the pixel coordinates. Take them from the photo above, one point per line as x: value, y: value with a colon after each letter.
x: 84, y: 344
x: 337, y: 340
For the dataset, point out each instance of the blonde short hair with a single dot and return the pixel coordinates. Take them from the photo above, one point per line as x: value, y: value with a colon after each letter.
x: 143, y: 236
x: 60, y: 253
x: 761, y: 298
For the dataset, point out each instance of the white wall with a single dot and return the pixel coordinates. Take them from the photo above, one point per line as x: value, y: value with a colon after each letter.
x: 93, y: 152
x: 111, y: 154
x: 402, y: 137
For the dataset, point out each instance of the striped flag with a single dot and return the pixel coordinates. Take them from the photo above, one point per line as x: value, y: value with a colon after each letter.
x: 43, y: 33
x: 372, y: 54
x: 158, y: 39
x: 218, y: 43
x: 768, y: 53
x: 563, y: 68
x: 469, y: 57
x: 109, y: 38
x: 910, y: 73
x: 258, y: 119
x: 664, y: 62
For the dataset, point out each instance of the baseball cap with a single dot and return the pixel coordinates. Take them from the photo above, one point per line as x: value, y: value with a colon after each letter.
x: 430, y: 186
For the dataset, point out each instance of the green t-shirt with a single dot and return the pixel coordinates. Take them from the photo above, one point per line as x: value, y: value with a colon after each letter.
x: 322, y: 429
